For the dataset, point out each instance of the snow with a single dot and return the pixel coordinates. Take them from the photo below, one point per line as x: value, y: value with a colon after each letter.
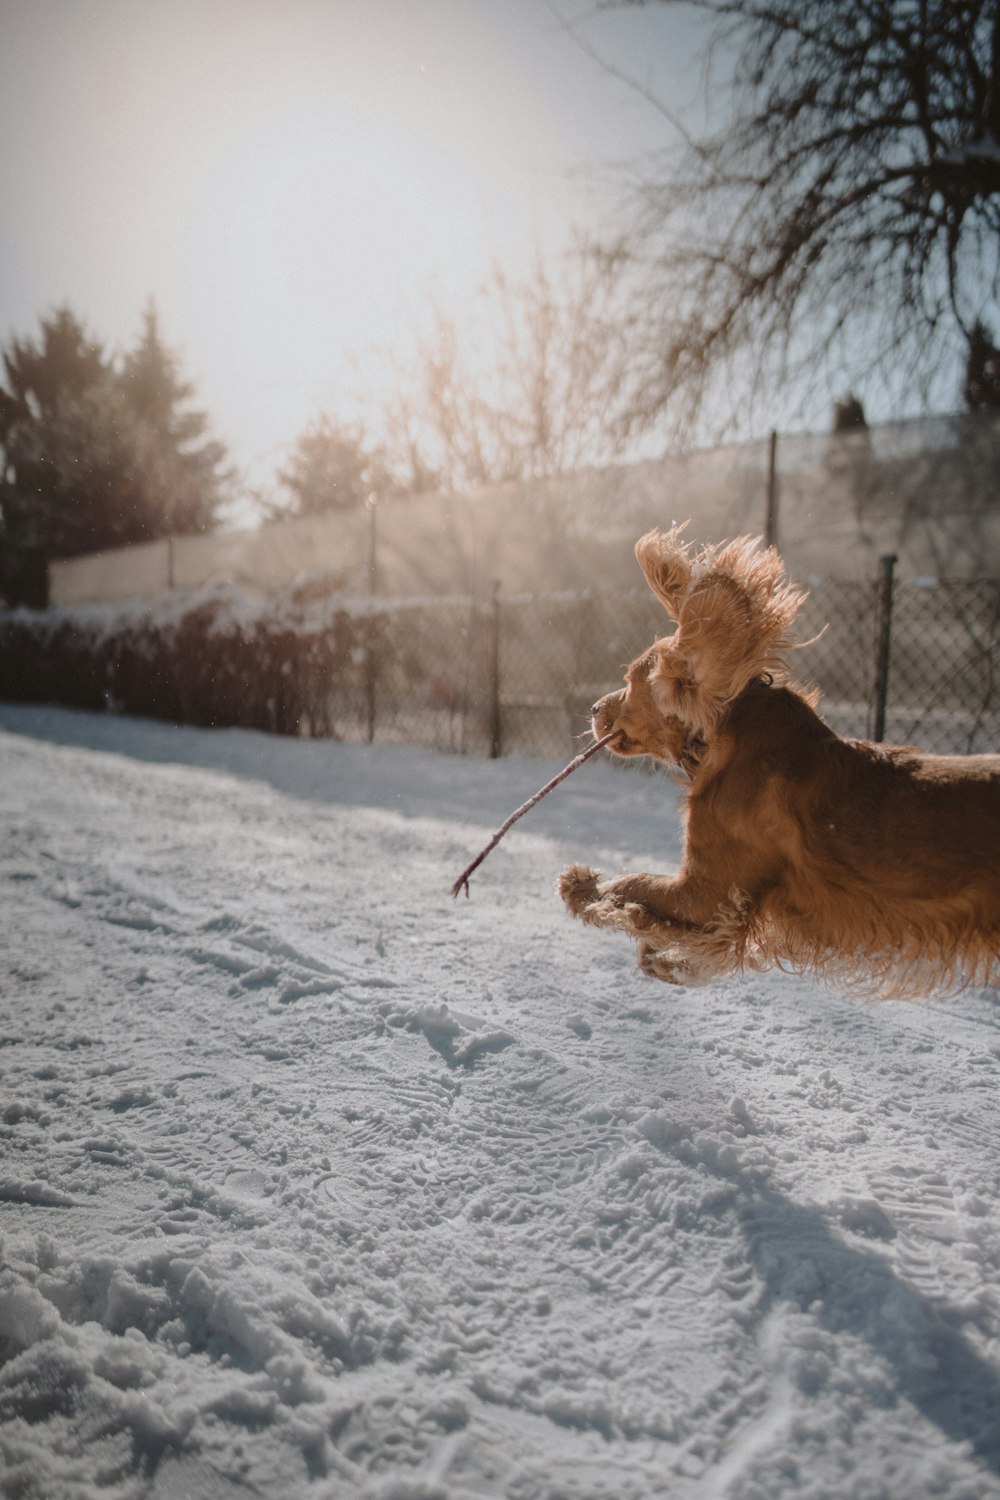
x: 317, y: 1183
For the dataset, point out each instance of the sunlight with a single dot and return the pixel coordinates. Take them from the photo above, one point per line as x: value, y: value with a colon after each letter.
x: 287, y: 182
x: 305, y: 227
x: 333, y: 206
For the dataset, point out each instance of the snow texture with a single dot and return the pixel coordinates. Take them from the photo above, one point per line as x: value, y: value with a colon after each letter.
x: 317, y: 1183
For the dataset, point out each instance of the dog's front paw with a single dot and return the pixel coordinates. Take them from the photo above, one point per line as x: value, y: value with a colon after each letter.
x: 578, y: 888
x: 603, y: 903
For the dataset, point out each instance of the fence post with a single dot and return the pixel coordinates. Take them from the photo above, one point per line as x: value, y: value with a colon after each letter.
x: 370, y: 506
x: 496, y: 728
x: 771, y: 511
x: 886, y: 566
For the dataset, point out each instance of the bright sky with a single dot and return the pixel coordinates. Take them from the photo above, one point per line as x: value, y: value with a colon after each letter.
x: 284, y: 177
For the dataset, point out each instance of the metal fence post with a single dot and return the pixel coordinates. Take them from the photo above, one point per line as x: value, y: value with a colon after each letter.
x: 771, y: 512
x: 886, y: 566
x: 370, y: 506
x: 496, y: 728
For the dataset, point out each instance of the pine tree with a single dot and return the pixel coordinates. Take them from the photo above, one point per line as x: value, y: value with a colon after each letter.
x: 94, y: 455
x: 982, y: 372
x: 183, y: 463
x: 62, y: 365
x: 849, y: 415
x: 331, y: 466
x: 66, y: 456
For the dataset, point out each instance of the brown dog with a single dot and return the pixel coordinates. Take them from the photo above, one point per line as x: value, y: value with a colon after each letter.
x: 873, y: 864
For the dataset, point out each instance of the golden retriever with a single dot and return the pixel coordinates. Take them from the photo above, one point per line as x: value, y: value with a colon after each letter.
x: 873, y: 864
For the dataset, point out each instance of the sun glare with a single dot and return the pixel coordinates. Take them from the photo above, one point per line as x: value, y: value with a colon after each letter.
x: 333, y: 204
x: 307, y: 224
x: 285, y: 181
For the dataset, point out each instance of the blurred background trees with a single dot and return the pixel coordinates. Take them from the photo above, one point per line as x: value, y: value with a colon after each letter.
x: 96, y: 452
x: 828, y: 221
x: 332, y: 465
x: 525, y: 384
x: 184, y: 467
x: 981, y: 391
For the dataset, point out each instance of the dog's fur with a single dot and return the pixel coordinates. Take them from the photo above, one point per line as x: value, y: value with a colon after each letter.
x: 873, y: 864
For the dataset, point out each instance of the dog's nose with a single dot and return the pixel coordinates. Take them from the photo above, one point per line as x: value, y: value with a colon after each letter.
x: 609, y: 704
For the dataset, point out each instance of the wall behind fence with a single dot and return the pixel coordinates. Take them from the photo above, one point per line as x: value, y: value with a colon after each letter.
x: 925, y: 491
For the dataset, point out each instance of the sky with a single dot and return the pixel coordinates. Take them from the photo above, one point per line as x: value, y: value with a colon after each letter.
x: 289, y: 178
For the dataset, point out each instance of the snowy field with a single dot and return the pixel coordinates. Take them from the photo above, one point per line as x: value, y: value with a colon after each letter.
x: 316, y: 1183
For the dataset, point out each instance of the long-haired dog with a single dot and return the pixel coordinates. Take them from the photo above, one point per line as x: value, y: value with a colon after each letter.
x: 873, y: 864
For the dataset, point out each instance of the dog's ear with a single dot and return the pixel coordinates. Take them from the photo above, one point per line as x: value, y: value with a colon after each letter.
x: 663, y: 559
x: 733, y: 622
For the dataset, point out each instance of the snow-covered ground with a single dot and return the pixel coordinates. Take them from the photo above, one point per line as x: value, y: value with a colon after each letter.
x: 316, y: 1183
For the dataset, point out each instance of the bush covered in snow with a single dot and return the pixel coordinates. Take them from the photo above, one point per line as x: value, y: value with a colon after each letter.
x: 306, y: 662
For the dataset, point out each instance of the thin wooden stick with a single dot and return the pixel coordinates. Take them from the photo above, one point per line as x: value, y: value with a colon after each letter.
x: 462, y: 883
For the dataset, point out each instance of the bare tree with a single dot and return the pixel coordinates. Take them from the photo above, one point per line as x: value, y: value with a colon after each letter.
x: 837, y: 220
x: 524, y: 384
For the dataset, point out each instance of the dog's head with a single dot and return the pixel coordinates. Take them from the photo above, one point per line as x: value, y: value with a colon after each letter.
x: 733, y: 607
x: 635, y: 718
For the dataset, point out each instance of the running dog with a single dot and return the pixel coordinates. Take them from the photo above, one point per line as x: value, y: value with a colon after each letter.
x: 874, y: 865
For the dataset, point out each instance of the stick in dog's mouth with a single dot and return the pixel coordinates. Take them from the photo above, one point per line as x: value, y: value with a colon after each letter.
x: 462, y: 883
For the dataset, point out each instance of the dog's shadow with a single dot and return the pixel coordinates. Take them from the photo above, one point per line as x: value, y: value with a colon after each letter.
x: 848, y: 1289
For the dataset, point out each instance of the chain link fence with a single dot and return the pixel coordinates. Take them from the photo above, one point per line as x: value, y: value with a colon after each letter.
x: 915, y: 663
x: 519, y: 674
x: 940, y: 644
x: 338, y: 645
x: 944, y: 684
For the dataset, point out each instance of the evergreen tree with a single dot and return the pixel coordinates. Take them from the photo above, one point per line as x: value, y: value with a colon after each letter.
x: 331, y: 466
x: 849, y: 415
x: 40, y: 376
x: 982, y: 372
x: 184, y: 465
x: 93, y: 455
x: 67, y: 459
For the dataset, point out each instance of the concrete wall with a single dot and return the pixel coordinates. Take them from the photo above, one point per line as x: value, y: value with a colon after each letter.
x: 107, y: 577
x: 928, y: 492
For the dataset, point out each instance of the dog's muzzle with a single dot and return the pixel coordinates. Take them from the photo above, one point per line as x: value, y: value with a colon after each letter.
x: 604, y: 715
